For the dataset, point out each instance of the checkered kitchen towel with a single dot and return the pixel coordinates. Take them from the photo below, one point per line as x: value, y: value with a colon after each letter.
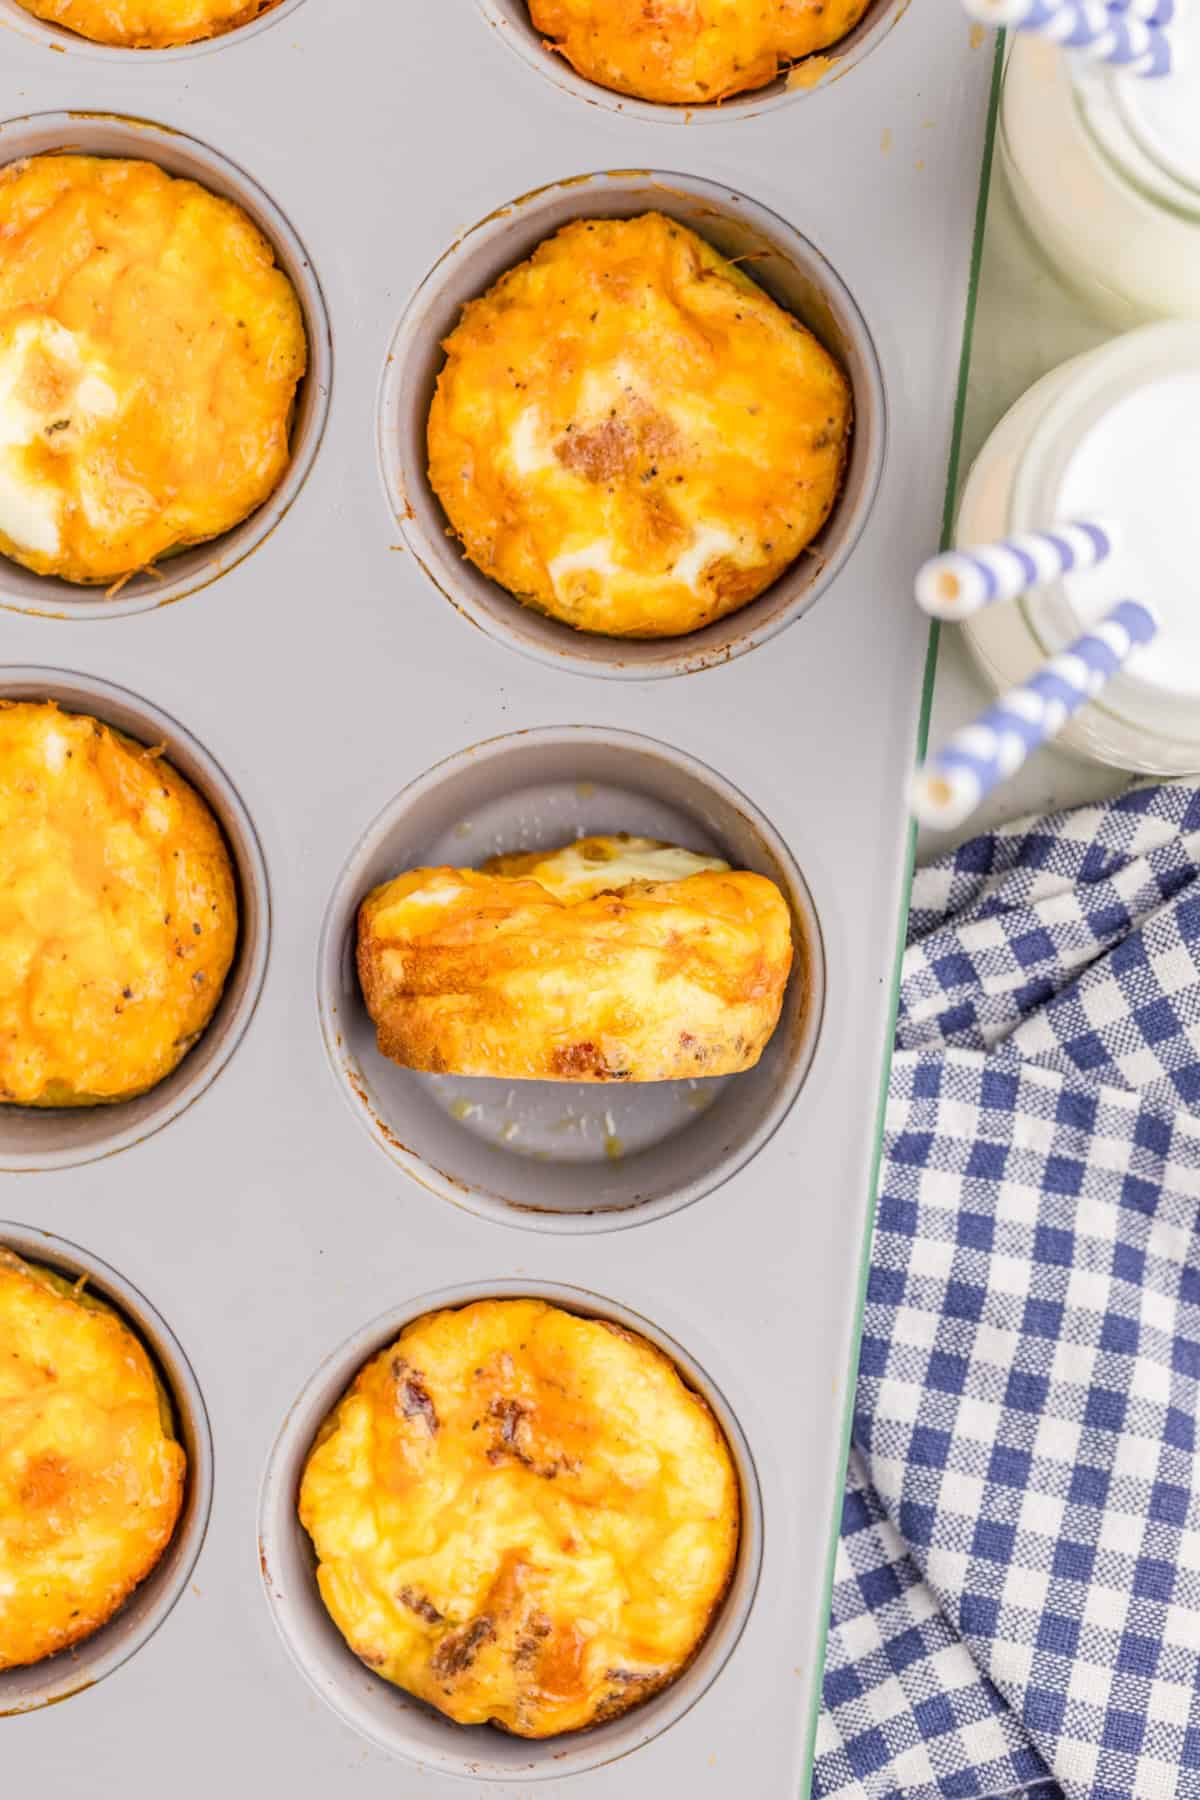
x: 1017, y: 1598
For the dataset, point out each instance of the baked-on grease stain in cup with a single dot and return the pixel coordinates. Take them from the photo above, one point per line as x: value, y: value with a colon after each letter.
x: 185, y: 571
x: 790, y: 269
x: 557, y: 1156
x: 385, y: 1714
x: 72, y: 1671
x: 32, y: 1137
x: 510, y: 22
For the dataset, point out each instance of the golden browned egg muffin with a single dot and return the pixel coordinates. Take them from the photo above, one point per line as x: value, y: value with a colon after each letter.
x: 612, y: 959
x: 523, y: 1517
x: 147, y: 24
x: 91, y: 1477
x: 118, y: 911
x: 150, y: 351
x: 630, y: 435
x: 690, y: 52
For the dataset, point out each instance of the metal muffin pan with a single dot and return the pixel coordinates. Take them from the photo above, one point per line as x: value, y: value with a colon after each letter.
x: 329, y: 676
x: 46, y: 36
x: 183, y: 571
x: 783, y: 262
x: 510, y: 20
x: 58, y: 1137
x: 72, y: 1671
x: 548, y: 1155
x: 380, y: 1711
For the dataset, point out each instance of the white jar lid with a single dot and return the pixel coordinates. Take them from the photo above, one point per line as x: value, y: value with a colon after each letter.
x: 1162, y: 113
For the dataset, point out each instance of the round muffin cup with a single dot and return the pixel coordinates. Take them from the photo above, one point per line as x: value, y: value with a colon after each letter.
x: 384, y: 1713
x: 563, y: 1156
x: 38, y: 1138
x: 510, y: 21
x: 791, y: 270
x: 54, y: 37
x: 72, y: 1671
x: 182, y: 572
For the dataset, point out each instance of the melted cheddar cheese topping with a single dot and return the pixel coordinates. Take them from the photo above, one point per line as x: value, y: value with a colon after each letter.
x: 522, y: 1516
x: 91, y: 1477
x: 147, y: 24
x: 612, y: 959
x: 150, y: 351
x: 690, y: 52
x: 630, y: 435
x: 118, y: 911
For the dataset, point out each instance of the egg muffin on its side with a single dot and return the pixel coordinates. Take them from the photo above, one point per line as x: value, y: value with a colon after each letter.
x: 690, y: 52
x: 630, y: 435
x: 118, y: 911
x: 612, y: 959
x: 150, y: 350
x: 147, y: 24
x: 523, y: 1517
x: 91, y: 1474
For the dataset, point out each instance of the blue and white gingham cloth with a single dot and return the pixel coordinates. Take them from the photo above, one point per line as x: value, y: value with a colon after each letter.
x: 1017, y: 1594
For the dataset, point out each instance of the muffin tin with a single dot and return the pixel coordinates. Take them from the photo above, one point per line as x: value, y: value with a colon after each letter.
x: 61, y: 1677
x: 182, y: 572
x: 399, y: 1723
x: 53, y: 37
x: 561, y: 1156
x: 795, y: 274
x: 509, y: 19
x: 327, y: 682
x: 38, y: 1138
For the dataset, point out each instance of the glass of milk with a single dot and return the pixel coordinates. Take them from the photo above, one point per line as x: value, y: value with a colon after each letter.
x: 1112, y: 436
x: 1104, y: 167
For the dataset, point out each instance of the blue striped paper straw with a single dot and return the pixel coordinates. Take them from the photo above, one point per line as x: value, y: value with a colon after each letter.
x: 1090, y: 27
x: 1154, y: 12
x: 953, y: 782
x: 957, y: 583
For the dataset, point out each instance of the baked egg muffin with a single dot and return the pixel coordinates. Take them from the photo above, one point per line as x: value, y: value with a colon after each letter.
x: 150, y: 351
x: 611, y: 959
x: 523, y: 1517
x: 91, y: 1474
x: 147, y: 24
x: 118, y: 911
x: 690, y: 52
x: 630, y: 435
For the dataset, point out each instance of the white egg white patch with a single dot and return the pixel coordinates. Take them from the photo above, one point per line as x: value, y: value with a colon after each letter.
x: 53, y: 392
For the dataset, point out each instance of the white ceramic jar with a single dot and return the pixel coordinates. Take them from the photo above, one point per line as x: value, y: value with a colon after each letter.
x: 1104, y: 168
x: 1113, y: 435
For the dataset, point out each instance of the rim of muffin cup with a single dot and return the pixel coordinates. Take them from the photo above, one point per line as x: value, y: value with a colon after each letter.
x: 542, y: 788
x: 58, y: 38
x: 786, y: 264
x: 398, y: 1722
x: 187, y: 571
x: 81, y: 1666
x: 511, y: 23
x: 36, y: 1138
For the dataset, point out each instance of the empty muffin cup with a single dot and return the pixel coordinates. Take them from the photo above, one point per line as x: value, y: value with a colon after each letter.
x: 384, y: 1713
x: 510, y: 22
x: 72, y: 1671
x: 791, y: 270
x: 32, y: 1137
x: 553, y: 1155
x: 183, y: 571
